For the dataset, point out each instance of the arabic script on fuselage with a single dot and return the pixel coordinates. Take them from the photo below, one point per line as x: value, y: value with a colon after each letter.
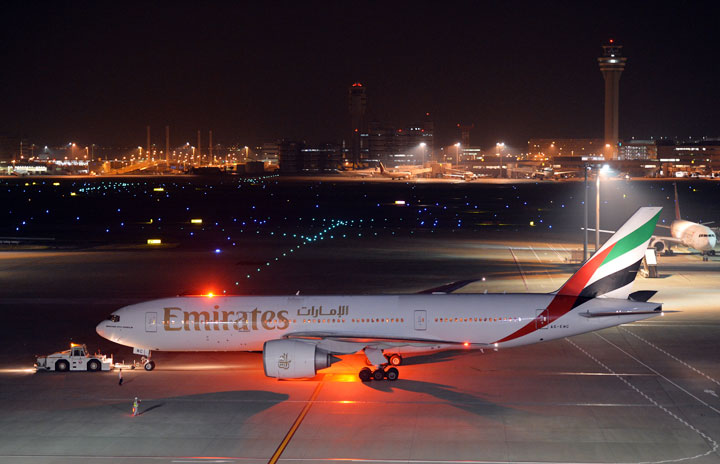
x: 318, y: 311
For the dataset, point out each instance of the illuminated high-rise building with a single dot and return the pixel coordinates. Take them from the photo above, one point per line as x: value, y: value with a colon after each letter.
x: 612, y: 64
x: 358, y: 120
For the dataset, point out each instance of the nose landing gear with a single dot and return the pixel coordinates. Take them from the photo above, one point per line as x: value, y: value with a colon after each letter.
x: 147, y: 363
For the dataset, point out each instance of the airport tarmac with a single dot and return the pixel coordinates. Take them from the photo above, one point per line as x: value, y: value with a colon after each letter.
x: 642, y: 392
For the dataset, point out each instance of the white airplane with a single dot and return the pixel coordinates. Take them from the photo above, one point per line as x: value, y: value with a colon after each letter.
x: 394, y: 174
x: 690, y: 234
x: 369, y: 172
x: 299, y: 335
x: 458, y: 174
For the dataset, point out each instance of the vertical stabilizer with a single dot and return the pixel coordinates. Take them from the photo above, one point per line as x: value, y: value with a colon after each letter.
x: 608, y: 273
x: 677, y: 203
x: 611, y: 271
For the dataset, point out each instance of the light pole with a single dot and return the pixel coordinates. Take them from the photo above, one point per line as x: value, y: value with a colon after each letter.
x: 457, y: 154
x: 499, y: 146
x: 585, y: 243
x: 604, y: 169
x: 423, y: 145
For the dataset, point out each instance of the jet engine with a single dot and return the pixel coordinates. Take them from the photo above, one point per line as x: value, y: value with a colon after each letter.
x: 659, y: 245
x: 294, y: 359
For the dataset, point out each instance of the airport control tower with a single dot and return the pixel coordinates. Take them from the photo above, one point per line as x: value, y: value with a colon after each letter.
x: 358, y: 121
x: 612, y: 64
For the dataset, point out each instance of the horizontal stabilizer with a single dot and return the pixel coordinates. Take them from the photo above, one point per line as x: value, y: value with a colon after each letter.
x: 642, y: 295
x: 620, y: 313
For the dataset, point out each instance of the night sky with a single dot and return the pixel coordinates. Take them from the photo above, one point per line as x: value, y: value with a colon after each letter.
x: 99, y: 72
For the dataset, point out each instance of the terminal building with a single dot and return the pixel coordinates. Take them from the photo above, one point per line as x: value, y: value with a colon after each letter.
x: 394, y: 146
x: 550, y: 149
x: 373, y: 141
x: 298, y: 157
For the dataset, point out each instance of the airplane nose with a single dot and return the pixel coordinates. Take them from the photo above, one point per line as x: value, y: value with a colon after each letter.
x: 101, y: 329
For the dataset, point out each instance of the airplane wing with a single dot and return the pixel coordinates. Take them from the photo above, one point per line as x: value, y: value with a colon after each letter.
x: 348, y: 343
x: 448, y: 288
x: 666, y: 239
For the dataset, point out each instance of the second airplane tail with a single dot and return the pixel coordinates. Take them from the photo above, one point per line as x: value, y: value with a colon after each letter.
x: 677, y: 203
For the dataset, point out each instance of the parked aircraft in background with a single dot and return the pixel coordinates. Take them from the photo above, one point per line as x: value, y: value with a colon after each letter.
x: 394, y: 173
x: 458, y: 174
x: 299, y: 335
x: 690, y: 234
x: 369, y: 172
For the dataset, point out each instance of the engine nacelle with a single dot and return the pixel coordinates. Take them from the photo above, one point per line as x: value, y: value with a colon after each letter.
x: 659, y: 245
x: 294, y: 359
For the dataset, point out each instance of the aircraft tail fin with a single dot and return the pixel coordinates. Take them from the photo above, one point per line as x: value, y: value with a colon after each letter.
x: 382, y: 168
x: 677, y: 203
x: 611, y: 270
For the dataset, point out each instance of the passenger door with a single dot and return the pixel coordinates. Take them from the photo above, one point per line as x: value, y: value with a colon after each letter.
x: 150, y: 322
x: 420, y: 320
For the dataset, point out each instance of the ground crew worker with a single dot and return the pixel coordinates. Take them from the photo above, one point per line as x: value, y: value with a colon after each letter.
x: 120, y: 379
x: 135, y: 406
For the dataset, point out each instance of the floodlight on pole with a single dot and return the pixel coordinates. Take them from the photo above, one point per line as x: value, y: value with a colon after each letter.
x: 499, y: 146
x: 602, y: 171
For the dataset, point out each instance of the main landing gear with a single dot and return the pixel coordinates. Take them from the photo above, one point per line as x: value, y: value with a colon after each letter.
x: 375, y: 357
x: 367, y: 375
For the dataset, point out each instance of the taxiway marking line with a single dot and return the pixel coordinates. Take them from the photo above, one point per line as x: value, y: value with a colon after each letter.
x: 522, y: 274
x: 283, y: 444
x: 713, y: 445
x: 671, y: 356
x: 556, y: 252
x: 536, y: 255
x: 76, y: 458
x: 540, y: 261
x: 657, y: 373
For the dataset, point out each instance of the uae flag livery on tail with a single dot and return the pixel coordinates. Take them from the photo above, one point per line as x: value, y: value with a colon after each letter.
x: 609, y: 273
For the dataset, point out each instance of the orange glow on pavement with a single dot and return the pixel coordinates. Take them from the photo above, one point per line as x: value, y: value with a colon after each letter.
x: 345, y: 378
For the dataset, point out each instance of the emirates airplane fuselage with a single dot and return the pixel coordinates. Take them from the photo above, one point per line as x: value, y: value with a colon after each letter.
x: 236, y: 323
x: 300, y: 334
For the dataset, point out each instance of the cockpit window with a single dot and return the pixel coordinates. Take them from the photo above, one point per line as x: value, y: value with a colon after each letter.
x: 114, y: 318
